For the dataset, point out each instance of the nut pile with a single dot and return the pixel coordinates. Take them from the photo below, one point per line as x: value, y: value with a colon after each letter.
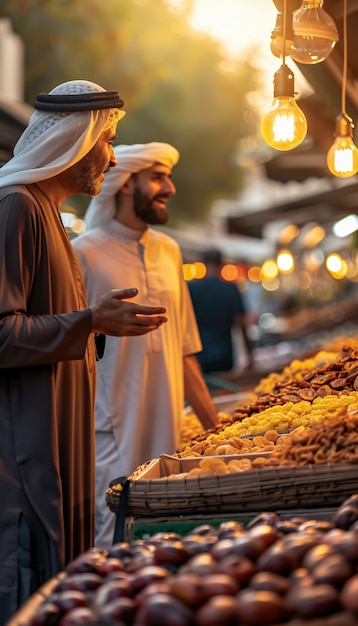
x: 339, y: 377
x: 298, y: 367
x: 332, y: 441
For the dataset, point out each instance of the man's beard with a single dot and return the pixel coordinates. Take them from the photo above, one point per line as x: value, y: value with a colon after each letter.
x: 86, y: 177
x: 145, y: 210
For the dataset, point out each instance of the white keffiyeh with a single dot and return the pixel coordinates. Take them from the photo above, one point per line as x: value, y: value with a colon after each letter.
x: 53, y: 142
x: 130, y: 160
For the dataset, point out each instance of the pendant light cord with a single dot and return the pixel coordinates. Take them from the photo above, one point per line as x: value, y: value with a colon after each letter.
x: 284, y: 32
x: 344, y: 75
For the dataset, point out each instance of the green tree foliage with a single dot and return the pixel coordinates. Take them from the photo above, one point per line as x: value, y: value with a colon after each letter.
x: 173, y: 81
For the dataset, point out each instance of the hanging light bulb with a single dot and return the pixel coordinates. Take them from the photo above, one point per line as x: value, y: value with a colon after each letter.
x: 342, y: 157
x: 284, y: 125
x: 314, y: 33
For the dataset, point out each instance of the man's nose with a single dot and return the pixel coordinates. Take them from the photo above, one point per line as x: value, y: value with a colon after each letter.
x: 170, y: 187
x: 112, y: 157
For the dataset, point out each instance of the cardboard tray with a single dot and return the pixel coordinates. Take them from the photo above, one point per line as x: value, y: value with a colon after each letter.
x: 148, y: 492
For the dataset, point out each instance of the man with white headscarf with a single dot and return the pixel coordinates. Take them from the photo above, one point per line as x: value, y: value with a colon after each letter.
x: 141, y: 382
x: 47, y: 361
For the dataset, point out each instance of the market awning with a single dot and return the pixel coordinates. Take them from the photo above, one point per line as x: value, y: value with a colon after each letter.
x: 323, y: 208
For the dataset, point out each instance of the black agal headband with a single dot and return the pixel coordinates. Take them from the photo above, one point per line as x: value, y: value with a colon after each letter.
x: 57, y: 103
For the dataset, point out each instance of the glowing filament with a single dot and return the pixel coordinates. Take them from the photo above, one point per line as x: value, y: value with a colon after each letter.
x: 284, y: 128
x: 343, y: 160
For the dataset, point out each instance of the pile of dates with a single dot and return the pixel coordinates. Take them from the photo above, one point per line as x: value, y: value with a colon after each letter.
x: 271, y: 572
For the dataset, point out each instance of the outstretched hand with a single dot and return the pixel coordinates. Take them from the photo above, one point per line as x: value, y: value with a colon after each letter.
x: 112, y: 315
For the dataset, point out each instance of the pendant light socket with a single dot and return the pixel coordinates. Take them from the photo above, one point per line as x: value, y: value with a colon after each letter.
x: 283, y: 82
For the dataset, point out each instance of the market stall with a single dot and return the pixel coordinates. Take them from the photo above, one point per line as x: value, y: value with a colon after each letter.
x: 295, y: 572
x: 254, y: 522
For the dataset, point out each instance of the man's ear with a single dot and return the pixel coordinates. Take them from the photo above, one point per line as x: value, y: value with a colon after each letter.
x: 127, y: 188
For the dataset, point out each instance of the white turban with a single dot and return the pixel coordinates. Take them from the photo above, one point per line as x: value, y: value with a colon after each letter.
x: 53, y: 141
x: 130, y: 160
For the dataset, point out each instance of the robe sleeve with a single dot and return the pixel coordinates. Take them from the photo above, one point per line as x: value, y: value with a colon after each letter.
x: 32, y: 330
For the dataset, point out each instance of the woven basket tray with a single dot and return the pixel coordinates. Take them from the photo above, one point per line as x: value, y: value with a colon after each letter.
x: 150, y: 493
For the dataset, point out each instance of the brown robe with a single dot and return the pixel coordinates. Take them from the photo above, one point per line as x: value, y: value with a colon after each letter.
x: 47, y: 370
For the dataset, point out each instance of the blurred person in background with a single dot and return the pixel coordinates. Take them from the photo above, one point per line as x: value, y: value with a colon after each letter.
x: 219, y: 309
x: 47, y: 329
x: 141, y: 382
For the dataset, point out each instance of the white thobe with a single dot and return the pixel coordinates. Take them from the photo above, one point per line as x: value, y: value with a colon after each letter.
x: 140, y: 389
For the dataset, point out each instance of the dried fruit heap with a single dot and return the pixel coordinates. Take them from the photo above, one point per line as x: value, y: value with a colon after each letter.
x: 333, y: 440
x: 296, y: 572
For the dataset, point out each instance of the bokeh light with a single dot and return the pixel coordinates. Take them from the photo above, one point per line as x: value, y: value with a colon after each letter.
x: 188, y: 271
x: 198, y: 269
x: 313, y: 236
x: 285, y: 262
x: 254, y: 274
x: 287, y: 234
x: 269, y: 270
x: 271, y: 285
x: 229, y: 272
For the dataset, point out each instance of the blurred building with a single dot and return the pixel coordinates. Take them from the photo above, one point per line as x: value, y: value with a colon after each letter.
x: 14, y: 112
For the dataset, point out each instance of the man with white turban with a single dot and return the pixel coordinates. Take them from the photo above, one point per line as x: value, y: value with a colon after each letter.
x: 47, y: 360
x: 141, y: 382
